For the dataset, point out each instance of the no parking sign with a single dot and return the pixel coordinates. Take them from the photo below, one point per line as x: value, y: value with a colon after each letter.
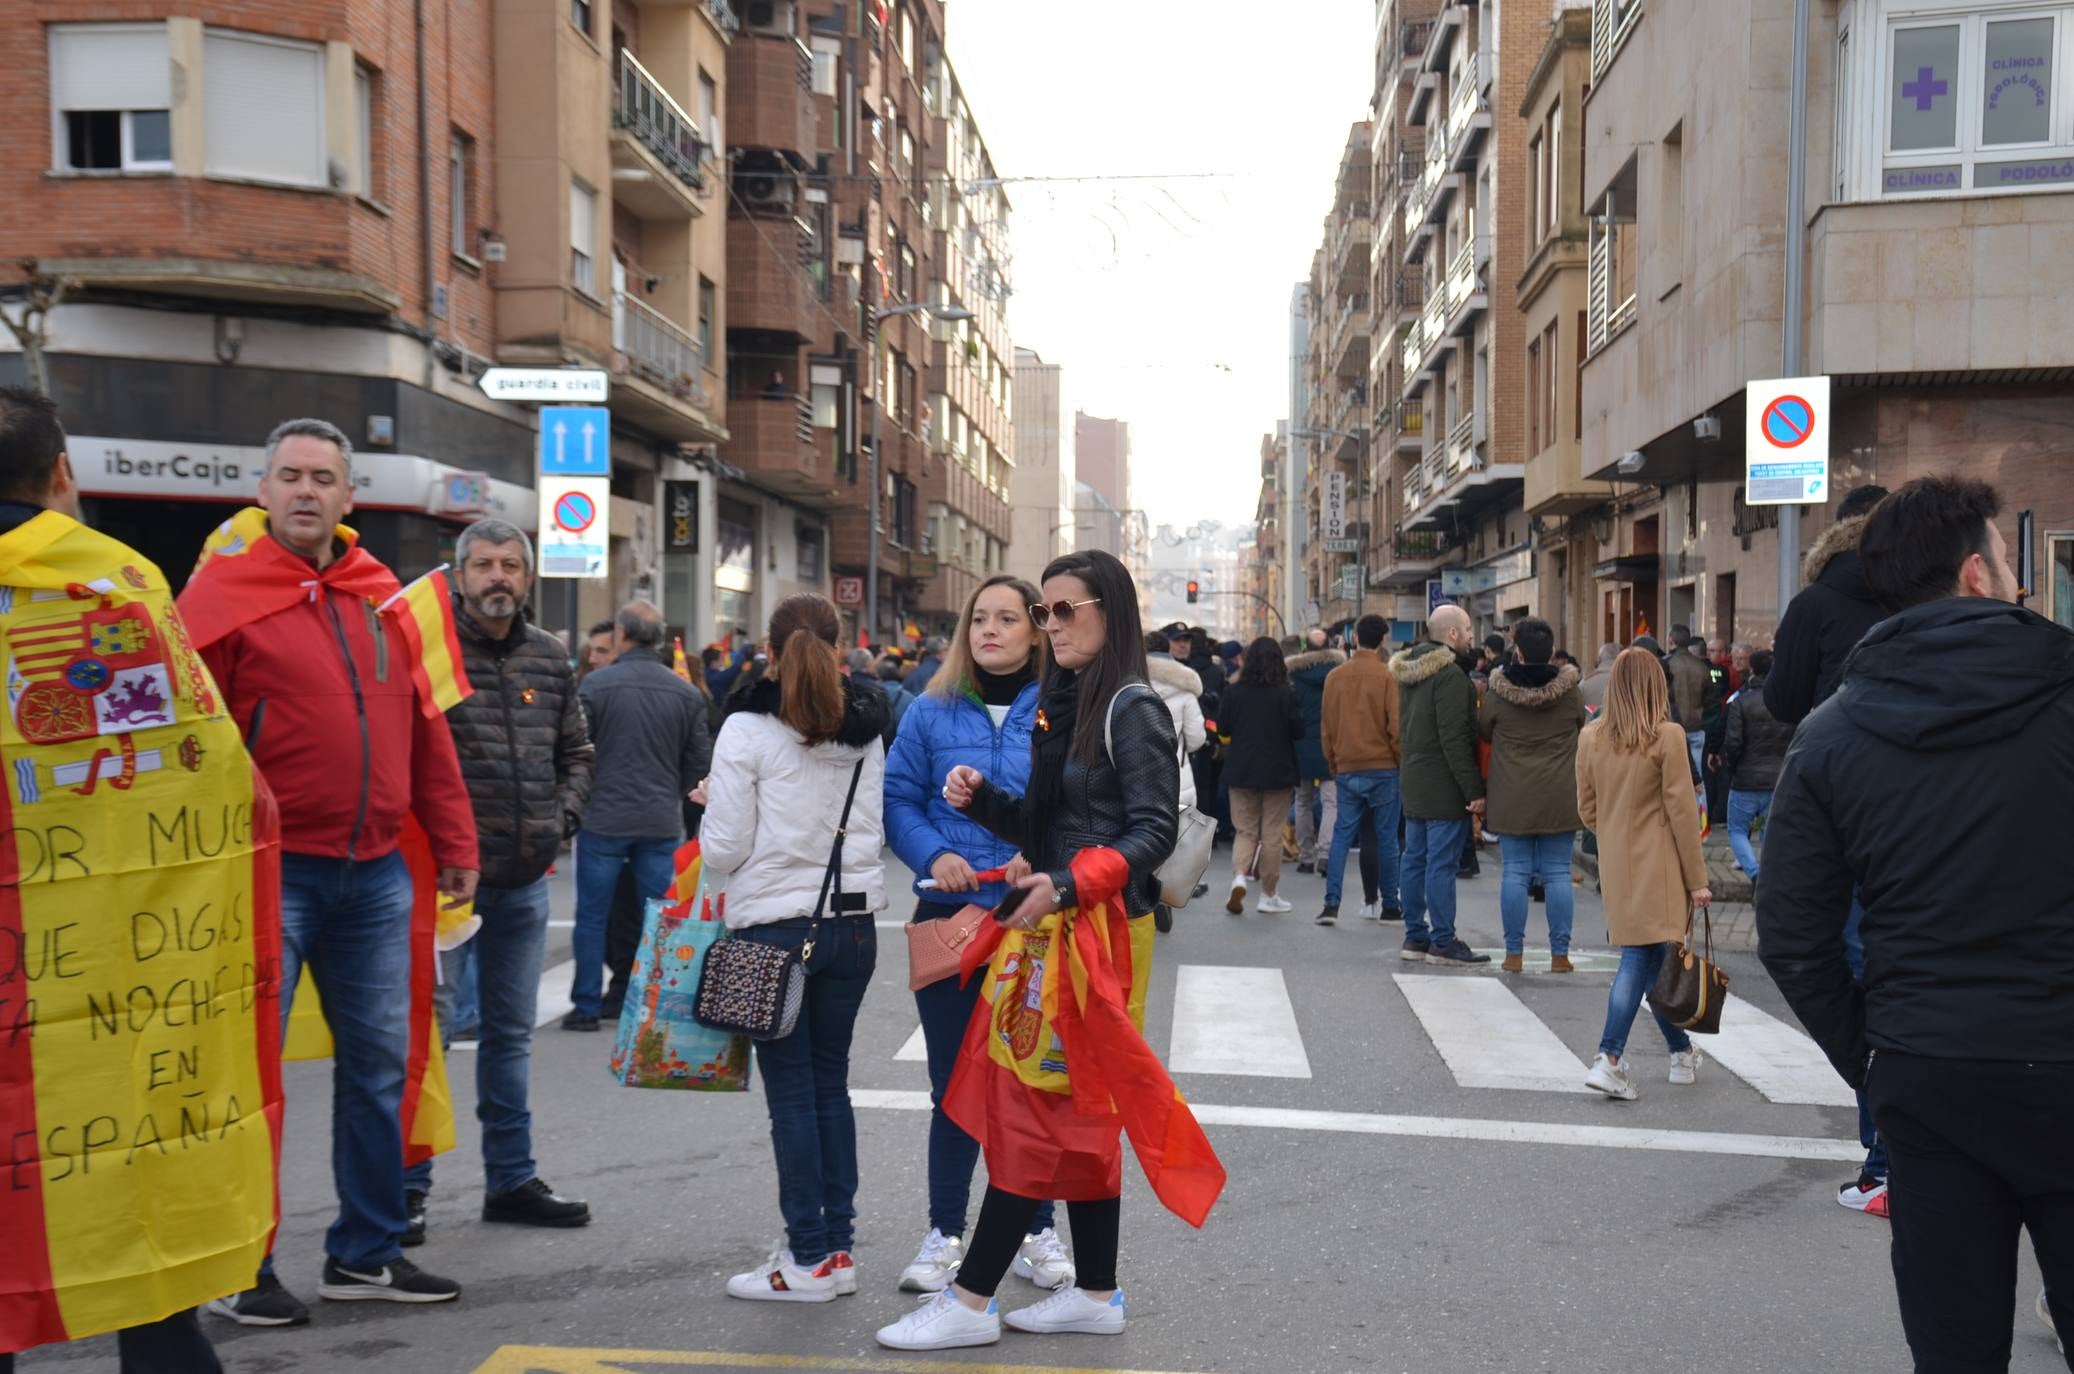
x: 1786, y: 442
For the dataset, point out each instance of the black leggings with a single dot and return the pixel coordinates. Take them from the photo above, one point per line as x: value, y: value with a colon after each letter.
x: 1004, y: 1219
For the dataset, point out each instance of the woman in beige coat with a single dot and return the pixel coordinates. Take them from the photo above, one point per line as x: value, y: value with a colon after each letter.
x: 1634, y: 788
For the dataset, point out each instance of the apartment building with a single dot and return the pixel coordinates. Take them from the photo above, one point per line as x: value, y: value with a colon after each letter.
x: 259, y: 214
x: 1260, y: 555
x: 1040, y: 495
x: 1333, y: 431
x: 1940, y: 216
x: 868, y: 345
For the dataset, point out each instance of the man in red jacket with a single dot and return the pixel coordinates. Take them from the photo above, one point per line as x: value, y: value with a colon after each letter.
x: 320, y: 683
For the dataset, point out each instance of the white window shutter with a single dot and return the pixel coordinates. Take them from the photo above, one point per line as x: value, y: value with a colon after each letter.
x: 110, y: 67
x: 263, y: 108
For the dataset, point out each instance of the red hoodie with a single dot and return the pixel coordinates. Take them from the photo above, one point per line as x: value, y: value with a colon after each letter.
x: 320, y: 685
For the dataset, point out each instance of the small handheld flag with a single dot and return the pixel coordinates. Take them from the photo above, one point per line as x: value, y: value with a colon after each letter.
x: 424, y: 611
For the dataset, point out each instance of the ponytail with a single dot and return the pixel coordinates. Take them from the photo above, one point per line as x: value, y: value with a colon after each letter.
x: 804, y: 629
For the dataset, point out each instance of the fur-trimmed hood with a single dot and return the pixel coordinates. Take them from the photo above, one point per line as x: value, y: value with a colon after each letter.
x: 865, y: 709
x: 1422, y: 662
x: 1842, y: 537
x: 1316, y: 658
x: 1511, y: 683
x: 1169, y: 675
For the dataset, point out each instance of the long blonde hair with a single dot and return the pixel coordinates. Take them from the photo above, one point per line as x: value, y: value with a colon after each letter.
x: 1637, y: 701
x: 955, y: 678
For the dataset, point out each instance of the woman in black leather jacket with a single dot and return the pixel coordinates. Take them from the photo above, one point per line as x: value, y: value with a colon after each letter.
x: 1085, y: 792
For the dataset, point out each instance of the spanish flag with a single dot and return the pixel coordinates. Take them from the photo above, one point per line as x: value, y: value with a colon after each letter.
x: 679, y: 664
x: 424, y: 611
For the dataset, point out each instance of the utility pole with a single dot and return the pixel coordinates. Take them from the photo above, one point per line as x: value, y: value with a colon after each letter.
x: 1796, y: 245
x: 32, y: 330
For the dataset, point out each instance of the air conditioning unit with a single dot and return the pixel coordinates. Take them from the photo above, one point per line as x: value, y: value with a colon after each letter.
x: 769, y: 16
x: 766, y: 192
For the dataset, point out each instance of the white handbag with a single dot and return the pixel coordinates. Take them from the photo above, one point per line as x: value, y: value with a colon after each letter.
x: 1194, y: 832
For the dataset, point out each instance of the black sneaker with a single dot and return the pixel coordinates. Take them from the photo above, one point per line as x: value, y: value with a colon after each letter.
x: 577, y: 1021
x: 397, y: 1281
x: 1200, y: 889
x: 533, y: 1203
x: 414, y: 1210
x: 266, y: 1303
x: 1162, y: 917
x: 1392, y: 913
x: 1307, y: 868
x: 1455, y: 952
x: 1328, y: 915
x: 1414, y: 951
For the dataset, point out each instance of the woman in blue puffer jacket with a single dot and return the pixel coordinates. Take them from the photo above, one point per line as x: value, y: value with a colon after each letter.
x: 979, y: 710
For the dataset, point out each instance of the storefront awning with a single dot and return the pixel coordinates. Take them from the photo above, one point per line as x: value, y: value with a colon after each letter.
x: 1629, y: 567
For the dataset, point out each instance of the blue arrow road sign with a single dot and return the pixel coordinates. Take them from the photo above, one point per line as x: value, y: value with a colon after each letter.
x: 576, y: 441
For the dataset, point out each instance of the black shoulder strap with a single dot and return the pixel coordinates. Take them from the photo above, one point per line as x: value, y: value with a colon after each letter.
x: 833, y: 877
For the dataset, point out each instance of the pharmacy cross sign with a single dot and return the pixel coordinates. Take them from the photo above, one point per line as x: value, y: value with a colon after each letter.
x: 1925, y: 88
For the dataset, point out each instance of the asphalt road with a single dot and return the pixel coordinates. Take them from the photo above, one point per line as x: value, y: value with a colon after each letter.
x: 1385, y: 1213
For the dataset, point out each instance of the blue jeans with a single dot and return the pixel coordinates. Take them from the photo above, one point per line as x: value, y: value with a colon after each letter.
x: 350, y: 922
x: 1368, y: 797
x: 1854, y: 955
x: 1696, y: 741
x: 1432, y: 852
x: 507, y: 955
x: 806, y: 1086
x: 1639, y: 965
x: 460, y: 1004
x: 176, y: 1345
x: 1746, y: 809
x: 599, y: 858
x: 1546, y: 857
x: 946, y: 1010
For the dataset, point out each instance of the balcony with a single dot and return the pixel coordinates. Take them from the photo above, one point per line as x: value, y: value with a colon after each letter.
x: 1412, y: 37
x: 1464, y: 292
x: 1411, y: 425
x: 1412, y: 556
x: 774, y: 442
x: 657, y: 149
x: 1349, y: 255
x: 1350, y: 337
x: 660, y: 375
x: 1468, y: 114
x: 770, y: 96
x: 1457, y: 480
x: 768, y: 287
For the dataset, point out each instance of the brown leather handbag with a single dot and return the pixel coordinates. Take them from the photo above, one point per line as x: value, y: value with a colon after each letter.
x: 1690, y: 987
x: 935, y: 947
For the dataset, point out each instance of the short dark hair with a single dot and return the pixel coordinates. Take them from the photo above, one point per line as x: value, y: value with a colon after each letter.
x: 1156, y: 643
x: 1496, y: 644
x: 603, y: 627
x: 1370, y: 631
x: 30, y: 441
x: 1860, y: 501
x: 1761, y: 663
x: 1534, y: 638
x: 1916, y: 539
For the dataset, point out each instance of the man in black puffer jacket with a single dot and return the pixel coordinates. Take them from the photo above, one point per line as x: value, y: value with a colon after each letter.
x: 526, y: 756
x: 1828, y: 617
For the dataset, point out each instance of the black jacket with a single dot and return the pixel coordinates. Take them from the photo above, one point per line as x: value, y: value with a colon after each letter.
x: 649, y: 726
x: 1130, y: 803
x: 1821, y: 625
x: 1753, y: 742
x: 1263, y: 725
x: 1753, y: 747
x: 1934, y: 782
x: 525, y: 752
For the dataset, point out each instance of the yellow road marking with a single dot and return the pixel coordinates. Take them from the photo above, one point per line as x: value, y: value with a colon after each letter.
x: 540, y: 1359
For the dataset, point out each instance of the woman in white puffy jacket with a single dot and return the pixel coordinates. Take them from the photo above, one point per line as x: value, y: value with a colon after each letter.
x: 782, y: 766
x: 1180, y: 687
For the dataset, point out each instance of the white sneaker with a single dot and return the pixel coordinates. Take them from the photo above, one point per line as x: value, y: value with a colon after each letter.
x: 936, y: 1264
x: 1611, y: 1079
x: 941, y: 1322
x: 1044, y: 1259
x: 1069, y: 1309
x: 1685, y: 1065
x: 1236, y: 903
x: 1274, y: 906
x: 778, y: 1279
x: 1370, y: 911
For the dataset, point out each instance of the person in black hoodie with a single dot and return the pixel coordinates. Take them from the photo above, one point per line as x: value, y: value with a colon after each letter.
x: 1929, y: 799
x: 1828, y: 617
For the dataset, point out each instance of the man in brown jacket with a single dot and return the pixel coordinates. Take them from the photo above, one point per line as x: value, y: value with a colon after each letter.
x: 1531, y: 713
x: 1359, y: 735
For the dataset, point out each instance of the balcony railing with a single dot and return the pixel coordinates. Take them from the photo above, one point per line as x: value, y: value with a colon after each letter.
x: 1463, y: 99
x: 1461, y: 278
x: 1611, y: 21
x: 642, y: 107
x: 1411, y: 418
x: 661, y: 350
x: 1461, y: 446
x: 1412, y: 35
x: 724, y: 17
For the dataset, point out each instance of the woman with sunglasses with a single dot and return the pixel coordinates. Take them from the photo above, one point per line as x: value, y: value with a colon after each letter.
x: 979, y: 709
x: 1097, y: 819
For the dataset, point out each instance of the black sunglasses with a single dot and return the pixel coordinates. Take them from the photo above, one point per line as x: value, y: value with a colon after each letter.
x: 1042, y: 614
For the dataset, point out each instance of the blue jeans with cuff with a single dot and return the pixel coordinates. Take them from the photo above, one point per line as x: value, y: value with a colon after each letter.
x: 1368, y: 807
x: 1639, y: 965
x: 806, y: 1085
x: 1528, y: 857
x: 1745, y: 809
x: 506, y: 957
x: 1432, y: 852
x: 599, y: 858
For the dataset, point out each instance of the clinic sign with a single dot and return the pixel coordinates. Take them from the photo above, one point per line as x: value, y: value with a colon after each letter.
x: 1786, y: 442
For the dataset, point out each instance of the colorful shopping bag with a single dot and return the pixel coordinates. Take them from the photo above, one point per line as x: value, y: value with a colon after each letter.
x: 661, y: 1044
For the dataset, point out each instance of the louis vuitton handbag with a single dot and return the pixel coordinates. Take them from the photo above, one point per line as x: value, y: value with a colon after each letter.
x: 1690, y: 987
x: 755, y: 989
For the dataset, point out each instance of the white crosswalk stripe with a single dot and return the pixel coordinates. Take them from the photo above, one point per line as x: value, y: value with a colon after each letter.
x: 1774, y: 1058
x: 1488, y: 1037
x: 1235, y: 1021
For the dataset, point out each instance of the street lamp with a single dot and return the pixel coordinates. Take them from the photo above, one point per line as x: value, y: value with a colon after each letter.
x: 871, y: 567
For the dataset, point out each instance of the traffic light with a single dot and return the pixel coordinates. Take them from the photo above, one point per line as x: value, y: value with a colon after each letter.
x: 1194, y: 591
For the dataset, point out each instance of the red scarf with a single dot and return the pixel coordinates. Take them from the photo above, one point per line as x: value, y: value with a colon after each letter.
x: 229, y: 592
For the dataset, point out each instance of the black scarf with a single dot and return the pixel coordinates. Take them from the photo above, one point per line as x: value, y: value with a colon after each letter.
x: 1051, y: 744
x: 1001, y: 689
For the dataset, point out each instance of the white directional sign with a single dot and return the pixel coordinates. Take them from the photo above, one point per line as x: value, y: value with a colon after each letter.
x: 575, y: 523
x: 1332, y: 518
x: 1786, y: 442
x: 566, y: 385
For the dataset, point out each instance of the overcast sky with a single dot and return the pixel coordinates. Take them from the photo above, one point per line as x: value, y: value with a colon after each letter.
x: 1167, y: 300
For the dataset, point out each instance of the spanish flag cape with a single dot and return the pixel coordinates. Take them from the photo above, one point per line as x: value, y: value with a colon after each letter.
x: 242, y: 576
x: 140, y: 1087
x: 1055, y: 1067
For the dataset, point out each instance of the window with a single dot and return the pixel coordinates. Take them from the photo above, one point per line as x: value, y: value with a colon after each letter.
x: 706, y: 309
x: 583, y: 238
x: 580, y: 16
x: 1551, y: 388
x: 1957, y: 101
x: 827, y: 401
x: 827, y: 63
x: 2060, y: 554
x: 1555, y: 167
x: 1537, y: 190
x: 263, y: 109
x: 1537, y: 368
x: 1611, y: 22
x: 808, y: 540
x: 1670, y: 212
x: 709, y: 112
x: 907, y: 38
x: 363, y: 113
x: 111, y: 98
x: 1840, y: 150
x: 460, y: 177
